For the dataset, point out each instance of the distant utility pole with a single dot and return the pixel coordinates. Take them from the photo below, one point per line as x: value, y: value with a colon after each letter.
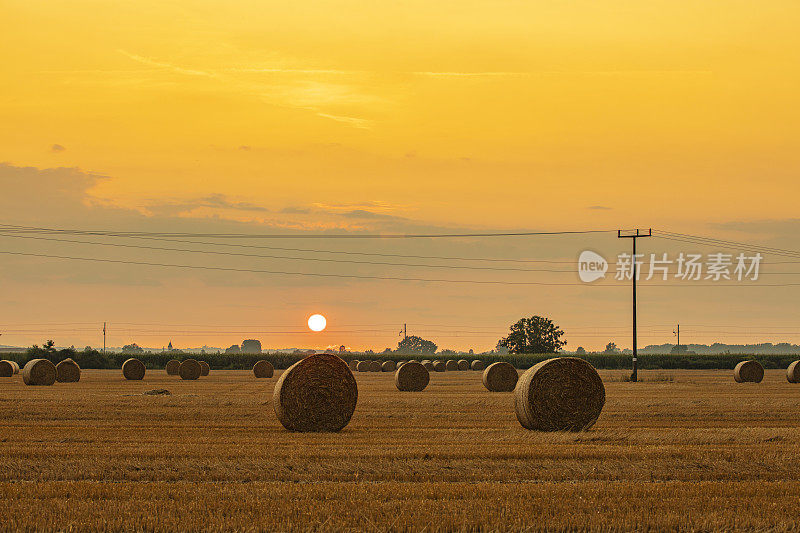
x: 678, y: 333
x: 104, y: 338
x: 404, y: 332
x: 633, y: 236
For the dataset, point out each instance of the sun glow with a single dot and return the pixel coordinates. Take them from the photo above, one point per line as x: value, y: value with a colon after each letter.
x: 317, y: 322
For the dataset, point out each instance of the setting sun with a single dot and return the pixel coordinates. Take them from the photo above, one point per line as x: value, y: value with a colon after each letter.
x: 317, y: 322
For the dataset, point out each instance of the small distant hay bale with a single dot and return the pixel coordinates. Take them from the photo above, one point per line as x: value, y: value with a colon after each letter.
x: 439, y: 366
x: 205, y: 368
x: 477, y: 364
x: 451, y: 365
x: 133, y: 369
x: 428, y: 365
x: 190, y: 369
x: 6, y: 369
x: 39, y: 372
x: 793, y: 372
x: 316, y: 394
x: 263, y: 369
x: 463, y: 364
x: 374, y: 366
x: 748, y: 372
x: 353, y: 364
x: 363, y: 366
x: 412, y: 377
x: 68, y: 371
x: 500, y: 377
x: 389, y: 366
x: 173, y: 367
x: 559, y: 394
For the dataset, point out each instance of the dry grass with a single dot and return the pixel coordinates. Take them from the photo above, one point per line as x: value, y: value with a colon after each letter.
x: 699, y: 453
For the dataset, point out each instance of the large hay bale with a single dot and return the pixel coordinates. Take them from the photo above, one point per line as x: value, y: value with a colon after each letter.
x: 374, y: 366
x: 173, y: 367
x: 500, y: 377
x: 439, y: 366
x: 318, y: 393
x: 793, y: 372
x: 477, y: 364
x: 463, y: 364
x: 428, y: 365
x: 748, y: 372
x: 133, y: 369
x: 68, y: 371
x: 451, y: 365
x: 353, y: 364
x: 205, y: 368
x: 388, y: 366
x: 363, y: 366
x: 411, y: 376
x: 263, y: 369
x: 6, y: 369
x: 190, y: 369
x: 39, y: 372
x: 15, y: 365
x: 559, y: 394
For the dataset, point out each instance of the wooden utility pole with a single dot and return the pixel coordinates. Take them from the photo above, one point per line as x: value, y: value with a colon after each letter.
x: 633, y: 236
x: 104, y: 338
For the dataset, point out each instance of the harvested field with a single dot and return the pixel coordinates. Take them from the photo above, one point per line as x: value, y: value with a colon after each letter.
x: 698, y: 452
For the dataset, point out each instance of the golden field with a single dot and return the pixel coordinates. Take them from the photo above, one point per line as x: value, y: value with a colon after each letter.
x: 688, y: 450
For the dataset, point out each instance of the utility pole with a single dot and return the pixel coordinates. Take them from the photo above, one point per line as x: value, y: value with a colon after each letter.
x: 405, y: 332
x: 678, y: 332
x: 104, y: 338
x: 634, y: 274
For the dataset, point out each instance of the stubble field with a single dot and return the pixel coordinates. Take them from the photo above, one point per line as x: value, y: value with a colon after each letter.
x: 699, y: 452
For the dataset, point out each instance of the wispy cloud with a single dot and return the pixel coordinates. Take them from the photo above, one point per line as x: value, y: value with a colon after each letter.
x: 57, y: 148
x: 164, y: 65
x: 352, y: 121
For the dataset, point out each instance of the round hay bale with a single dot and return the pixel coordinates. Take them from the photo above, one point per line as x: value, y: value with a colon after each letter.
x: 318, y: 393
x: 793, y: 372
x: 39, y: 372
x: 389, y: 366
x: 133, y: 369
x: 263, y: 369
x: 477, y: 364
x: 15, y: 365
x: 363, y: 366
x: 6, y: 369
x: 412, y: 377
x: 190, y: 369
x: 173, y: 367
x: 439, y: 366
x: 428, y: 365
x: 463, y: 364
x: 353, y: 364
x: 374, y: 366
x: 68, y: 371
x: 748, y: 372
x: 500, y: 377
x: 205, y: 368
x: 559, y: 394
x: 451, y: 365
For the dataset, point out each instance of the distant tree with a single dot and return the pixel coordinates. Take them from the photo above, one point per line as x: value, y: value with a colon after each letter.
x: 369, y: 352
x: 580, y: 351
x: 132, y: 349
x: 251, y: 346
x: 88, y: 349
x: 234, y: 349
x: 611, y: 348
x: 49, y: 346
x: 387, y: 351
x: 448, y: 352
x: 536, y: 334
x: 416, y: 345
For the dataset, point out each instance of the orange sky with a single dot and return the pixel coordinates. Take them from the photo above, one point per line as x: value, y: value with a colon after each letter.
x: 391, y: 116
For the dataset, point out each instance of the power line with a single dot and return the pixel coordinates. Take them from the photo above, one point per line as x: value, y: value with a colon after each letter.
x: 294, y: 236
